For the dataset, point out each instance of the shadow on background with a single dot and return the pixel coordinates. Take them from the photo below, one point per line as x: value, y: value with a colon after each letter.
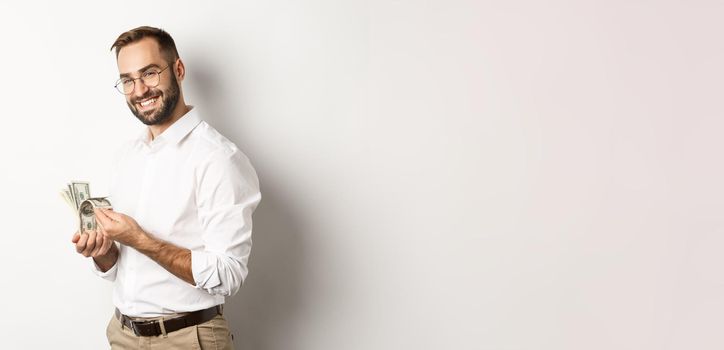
x: 267, y: 304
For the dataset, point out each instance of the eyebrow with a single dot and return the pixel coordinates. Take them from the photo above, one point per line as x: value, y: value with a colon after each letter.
x: 152, y: 65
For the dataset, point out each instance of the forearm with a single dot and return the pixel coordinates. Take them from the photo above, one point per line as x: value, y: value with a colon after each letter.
x: 174, y: 259
x: 106, y: 262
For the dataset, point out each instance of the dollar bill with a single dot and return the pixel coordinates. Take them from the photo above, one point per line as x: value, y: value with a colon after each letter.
x: 86, y: 215
x: 78, y: 197
x: 81, y: 192
x: 65, y: 193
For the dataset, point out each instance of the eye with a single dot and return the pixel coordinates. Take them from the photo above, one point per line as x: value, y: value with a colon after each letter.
x: 126, y: 81
x: 149, y: 74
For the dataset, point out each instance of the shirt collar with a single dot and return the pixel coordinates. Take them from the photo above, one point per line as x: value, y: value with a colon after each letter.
x: 176, y: 132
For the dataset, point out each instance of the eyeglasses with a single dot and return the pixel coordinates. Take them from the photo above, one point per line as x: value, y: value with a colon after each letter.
x: 150, y: 78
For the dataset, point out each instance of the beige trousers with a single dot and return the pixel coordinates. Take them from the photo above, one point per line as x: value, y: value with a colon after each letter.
x: 213, y: 334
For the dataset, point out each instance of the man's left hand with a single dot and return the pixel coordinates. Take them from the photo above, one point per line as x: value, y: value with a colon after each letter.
x: 119, y: 227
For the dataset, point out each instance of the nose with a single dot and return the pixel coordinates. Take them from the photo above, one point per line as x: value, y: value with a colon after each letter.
x: 139, y: 88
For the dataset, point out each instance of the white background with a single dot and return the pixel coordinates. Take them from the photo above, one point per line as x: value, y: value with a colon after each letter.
x: 435, y: 174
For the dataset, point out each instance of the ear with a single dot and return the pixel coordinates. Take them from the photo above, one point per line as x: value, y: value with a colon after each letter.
x: 179, y: 69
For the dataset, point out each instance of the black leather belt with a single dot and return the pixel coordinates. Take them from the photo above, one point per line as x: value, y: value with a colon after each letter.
x: 153, y: 328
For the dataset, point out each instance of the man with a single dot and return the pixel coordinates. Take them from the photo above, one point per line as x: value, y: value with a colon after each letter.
x: 179, y: 237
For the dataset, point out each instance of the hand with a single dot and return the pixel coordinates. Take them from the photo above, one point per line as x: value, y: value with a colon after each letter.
x: 119, y: 227
x: 92, y: 243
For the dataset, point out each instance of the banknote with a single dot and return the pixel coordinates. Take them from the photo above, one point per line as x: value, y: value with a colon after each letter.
x: 81, y: 192
x: 78, y: 197
x: 67, y: 196
x: 86, y: 215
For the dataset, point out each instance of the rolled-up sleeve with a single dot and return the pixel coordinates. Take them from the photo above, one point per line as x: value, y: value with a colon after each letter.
x: 227, y: 195
x: 109, y: 275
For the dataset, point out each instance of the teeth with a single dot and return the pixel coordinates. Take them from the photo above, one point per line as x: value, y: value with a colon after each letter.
x: 148, y: 102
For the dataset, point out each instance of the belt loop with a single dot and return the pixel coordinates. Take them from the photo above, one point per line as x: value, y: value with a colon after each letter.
x: 163, y: 327
x: 221, y: 309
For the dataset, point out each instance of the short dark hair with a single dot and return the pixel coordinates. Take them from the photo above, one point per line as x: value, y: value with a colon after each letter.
x: 164, y: 40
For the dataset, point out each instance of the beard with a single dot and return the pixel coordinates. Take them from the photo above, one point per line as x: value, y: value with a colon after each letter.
x: 162, y: 113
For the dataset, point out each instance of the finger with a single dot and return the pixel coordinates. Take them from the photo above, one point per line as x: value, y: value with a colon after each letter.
x: 99, y: 225
x: 112, y: 214
x: 102, y: 230
x: 80, y: 245
x: 90, y: 244
x: 105, y: 247
x: 102, y: 218
x: 99, y: 243
x: 76, y: 237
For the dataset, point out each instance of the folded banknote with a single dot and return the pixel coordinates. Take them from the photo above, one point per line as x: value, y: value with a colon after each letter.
x: 77, y: 195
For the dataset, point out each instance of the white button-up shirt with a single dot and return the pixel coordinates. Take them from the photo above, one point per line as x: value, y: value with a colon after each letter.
x: 192, y: 187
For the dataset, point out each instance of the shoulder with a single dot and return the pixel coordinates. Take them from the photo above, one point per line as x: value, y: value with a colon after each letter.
x: 208, y: 140
x: 211, y: 145
x: 218, y: 153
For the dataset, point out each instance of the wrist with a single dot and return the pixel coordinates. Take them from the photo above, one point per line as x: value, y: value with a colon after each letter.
x: 107, y: 260
x: 140, y: 239
x: 145, y: 243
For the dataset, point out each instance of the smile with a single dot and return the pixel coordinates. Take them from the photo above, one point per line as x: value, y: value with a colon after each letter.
x: 147, y: 102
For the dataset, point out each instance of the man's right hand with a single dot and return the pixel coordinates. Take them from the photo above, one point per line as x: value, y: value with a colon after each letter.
x: 97, y: 245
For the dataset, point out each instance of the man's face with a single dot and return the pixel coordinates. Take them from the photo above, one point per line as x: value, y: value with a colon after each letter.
x: 151, y: 105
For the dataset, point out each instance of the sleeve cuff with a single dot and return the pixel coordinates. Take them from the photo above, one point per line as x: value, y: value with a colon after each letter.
x: 108, y: 275
x: 203, y: 268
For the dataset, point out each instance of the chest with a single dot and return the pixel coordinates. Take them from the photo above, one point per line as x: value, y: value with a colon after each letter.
x: 157, y: 190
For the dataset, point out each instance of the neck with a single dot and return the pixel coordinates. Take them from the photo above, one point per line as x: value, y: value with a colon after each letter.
x: 178, y: 112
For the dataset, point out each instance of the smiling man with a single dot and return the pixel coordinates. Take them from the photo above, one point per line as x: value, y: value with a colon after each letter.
x: 179, y: 237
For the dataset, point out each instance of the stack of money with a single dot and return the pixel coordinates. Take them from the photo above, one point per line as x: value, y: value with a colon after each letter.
x: 77, y: 195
